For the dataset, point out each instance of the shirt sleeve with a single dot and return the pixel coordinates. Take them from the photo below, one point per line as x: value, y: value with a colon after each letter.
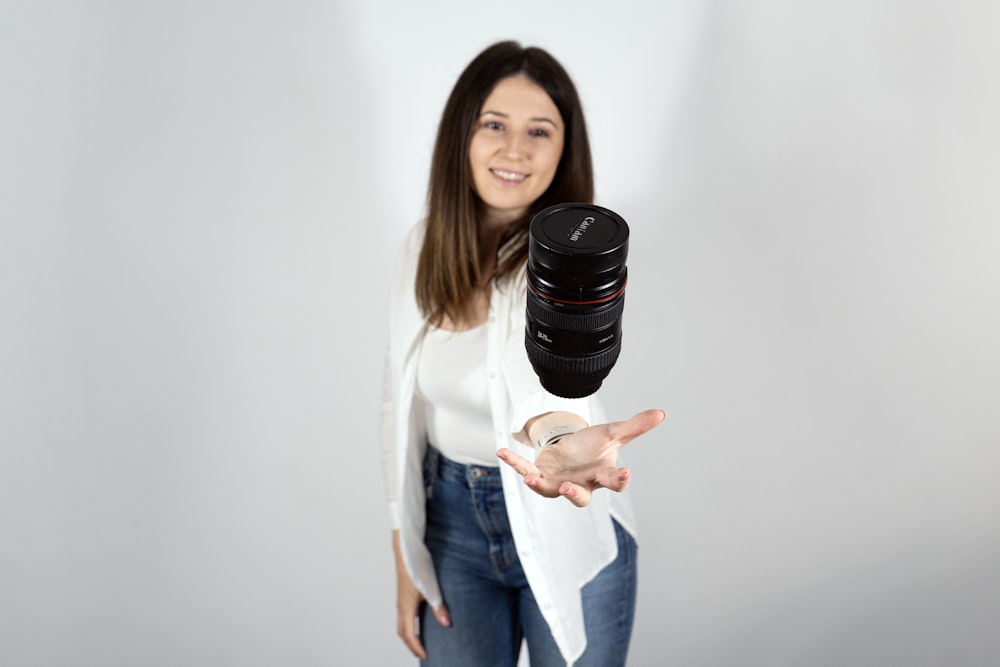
x: 400, y: 296
x: 387, y: 422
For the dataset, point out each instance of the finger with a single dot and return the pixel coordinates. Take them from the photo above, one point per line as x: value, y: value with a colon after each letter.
x: 406, y: 625
x: 575, y: 493
x: 441, y: 614
x: 614, y: 479
x: 523, y: 466
x: 541, y: 486
x: 645, y: 421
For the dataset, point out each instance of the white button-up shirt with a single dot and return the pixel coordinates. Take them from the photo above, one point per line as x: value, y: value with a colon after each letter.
x: 561, y: 547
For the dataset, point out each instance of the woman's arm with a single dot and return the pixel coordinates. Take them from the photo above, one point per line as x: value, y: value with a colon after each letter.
x: 387, y: 446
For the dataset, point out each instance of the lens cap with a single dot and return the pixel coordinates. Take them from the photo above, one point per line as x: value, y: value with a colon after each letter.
x: 577, y: 238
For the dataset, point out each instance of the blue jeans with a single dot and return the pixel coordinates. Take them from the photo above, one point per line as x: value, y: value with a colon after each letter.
x: 487, y: 595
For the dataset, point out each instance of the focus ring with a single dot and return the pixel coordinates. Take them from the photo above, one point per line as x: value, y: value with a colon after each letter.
x: 587, y: 321
x: 570, y: 366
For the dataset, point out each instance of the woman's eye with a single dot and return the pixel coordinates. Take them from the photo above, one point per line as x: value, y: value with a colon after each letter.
x: 493, y: 125
x: 539, y: 132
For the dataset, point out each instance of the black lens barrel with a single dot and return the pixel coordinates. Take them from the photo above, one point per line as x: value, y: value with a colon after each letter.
x: 576, y: 296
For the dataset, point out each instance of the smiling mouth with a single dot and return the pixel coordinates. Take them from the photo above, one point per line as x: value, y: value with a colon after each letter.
x: 509, y: 176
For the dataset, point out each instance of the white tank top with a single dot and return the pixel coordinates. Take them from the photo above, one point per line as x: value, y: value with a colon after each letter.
x: 451, y: 380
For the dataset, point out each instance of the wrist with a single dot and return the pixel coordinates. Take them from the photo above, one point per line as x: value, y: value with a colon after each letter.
x: 538, y: 426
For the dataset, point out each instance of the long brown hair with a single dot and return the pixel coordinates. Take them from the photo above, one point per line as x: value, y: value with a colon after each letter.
x: 450, y: 270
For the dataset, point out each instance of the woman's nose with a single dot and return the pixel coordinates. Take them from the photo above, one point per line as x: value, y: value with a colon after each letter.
x: 515, y: 146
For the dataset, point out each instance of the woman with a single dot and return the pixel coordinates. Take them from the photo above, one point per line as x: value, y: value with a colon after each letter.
x: 483, y: 558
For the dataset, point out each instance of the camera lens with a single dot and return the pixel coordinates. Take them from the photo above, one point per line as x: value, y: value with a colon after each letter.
x: 576, y: 295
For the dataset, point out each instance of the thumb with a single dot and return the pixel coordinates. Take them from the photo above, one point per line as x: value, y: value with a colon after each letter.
x: 638, y: 424
x: 441, y: 614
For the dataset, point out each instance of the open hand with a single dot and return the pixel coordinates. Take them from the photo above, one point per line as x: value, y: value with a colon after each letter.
x: 583, y: 461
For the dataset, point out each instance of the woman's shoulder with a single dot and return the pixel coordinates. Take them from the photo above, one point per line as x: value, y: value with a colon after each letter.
x: 406, y: 250
x: 404, y: 271
x: 409, y: 248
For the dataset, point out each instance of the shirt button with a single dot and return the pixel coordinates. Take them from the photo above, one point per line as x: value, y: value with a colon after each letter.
x: 493, y: 376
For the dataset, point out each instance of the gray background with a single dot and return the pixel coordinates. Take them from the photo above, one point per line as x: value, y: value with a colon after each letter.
x: 200, y: 201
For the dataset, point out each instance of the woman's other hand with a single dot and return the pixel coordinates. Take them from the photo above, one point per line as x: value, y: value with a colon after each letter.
x: 408, y: 601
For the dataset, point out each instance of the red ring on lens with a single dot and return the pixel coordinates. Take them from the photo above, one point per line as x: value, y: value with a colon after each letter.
x: 577, y: 303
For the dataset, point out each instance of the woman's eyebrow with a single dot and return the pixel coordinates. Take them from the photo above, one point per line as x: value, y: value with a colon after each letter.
x: 538, y: 119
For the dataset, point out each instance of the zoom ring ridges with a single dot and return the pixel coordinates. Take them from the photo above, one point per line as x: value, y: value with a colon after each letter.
x: 576, y: 321
x: 570, y: 366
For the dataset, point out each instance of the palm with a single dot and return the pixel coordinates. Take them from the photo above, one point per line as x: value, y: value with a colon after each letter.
x: 584, y: 461
x: 582, y: 457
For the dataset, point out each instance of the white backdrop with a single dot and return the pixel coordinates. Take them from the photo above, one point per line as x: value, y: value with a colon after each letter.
x: 199, y: 204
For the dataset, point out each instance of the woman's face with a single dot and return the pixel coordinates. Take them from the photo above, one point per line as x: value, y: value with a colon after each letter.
x: 515, y: 148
